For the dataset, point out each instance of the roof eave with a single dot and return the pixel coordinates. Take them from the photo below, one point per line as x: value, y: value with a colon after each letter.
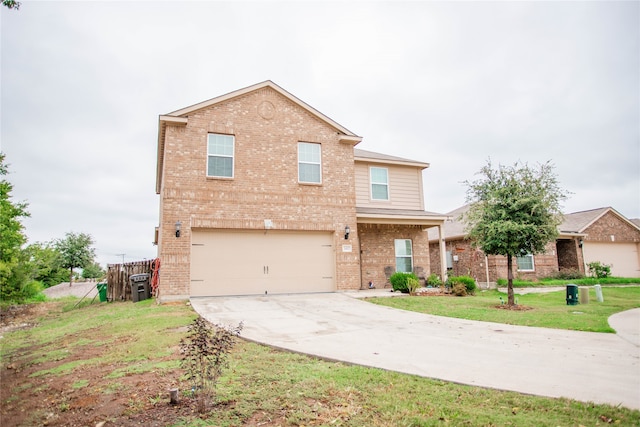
x: 392, y: 162
x: 369, y: 218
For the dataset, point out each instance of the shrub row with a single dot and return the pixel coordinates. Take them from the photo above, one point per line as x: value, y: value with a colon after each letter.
x: 462, y: 285
x: 404, y: 282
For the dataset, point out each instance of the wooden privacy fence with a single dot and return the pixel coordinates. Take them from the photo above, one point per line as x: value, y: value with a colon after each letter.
x: 118, y: 286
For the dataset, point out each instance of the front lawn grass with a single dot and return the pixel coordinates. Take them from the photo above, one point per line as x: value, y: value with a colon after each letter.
x: 263, y: 386
x: 585, y: 281
x: 547, y: 310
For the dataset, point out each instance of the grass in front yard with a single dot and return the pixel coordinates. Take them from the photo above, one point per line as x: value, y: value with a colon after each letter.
x: 548, y: 310
x: 290, y: 389
x: 114, y: 348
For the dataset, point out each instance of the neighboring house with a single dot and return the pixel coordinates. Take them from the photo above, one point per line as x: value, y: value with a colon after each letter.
x: 596, y: 235
x: 261, y: 193
x: 610, y: 238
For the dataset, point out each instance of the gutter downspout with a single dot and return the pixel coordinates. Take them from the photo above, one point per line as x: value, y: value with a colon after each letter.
x: 443, y: 254
x: 486, y: 266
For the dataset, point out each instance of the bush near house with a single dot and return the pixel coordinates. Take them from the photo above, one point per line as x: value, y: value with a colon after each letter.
x: 587, y: 281
x: 434, y: 280
x: 399, y: 281
x: 462, y: 285
x: 569, y: 274
x: 599, y: 270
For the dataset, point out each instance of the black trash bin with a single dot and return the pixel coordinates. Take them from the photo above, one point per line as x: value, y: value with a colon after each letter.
x: 140, y: 287
x: 572, y: 294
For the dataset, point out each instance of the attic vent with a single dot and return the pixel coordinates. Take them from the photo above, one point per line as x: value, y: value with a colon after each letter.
x: 266, y: 110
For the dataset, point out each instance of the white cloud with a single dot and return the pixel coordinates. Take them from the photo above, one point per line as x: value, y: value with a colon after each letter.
x: 450, y: 83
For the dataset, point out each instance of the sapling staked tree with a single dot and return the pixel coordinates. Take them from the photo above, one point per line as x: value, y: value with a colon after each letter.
x: 205, y: 352
x: 514, y: 211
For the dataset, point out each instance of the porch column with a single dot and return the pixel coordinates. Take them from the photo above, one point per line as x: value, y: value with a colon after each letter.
x: 443, y: 254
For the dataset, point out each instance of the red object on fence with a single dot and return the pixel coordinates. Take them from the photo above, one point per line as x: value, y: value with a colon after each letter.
x: 155, y: 272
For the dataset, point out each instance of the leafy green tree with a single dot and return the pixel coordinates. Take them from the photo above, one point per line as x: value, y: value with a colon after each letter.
x: 514, y: 211
x: 13, y: 275
x: 93, y: 271
x: 76, y: 251
x: 45, y: 264
x: 11, y: 4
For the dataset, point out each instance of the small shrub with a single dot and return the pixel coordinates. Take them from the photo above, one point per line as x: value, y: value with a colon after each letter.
x: 459, y: 289
x: 502, y: 282
x: 599, y: 270
x: 33, y: 291
x: 412, y: 284
x: 570, y: 274
x: 205, y: 350
x: 434, y: 280
x: 468, y: 283
x: 399, y: 281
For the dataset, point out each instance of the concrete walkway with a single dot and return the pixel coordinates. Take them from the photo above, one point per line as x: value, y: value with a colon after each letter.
x: 598, y: 367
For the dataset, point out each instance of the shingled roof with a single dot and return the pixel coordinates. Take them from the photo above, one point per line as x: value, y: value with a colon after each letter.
x: 574, y: 223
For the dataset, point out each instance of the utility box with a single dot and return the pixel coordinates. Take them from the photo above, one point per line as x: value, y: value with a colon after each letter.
x: 599, y: 296
x: 572, y: 294
x: 140, y: 287
x: 584, y: 295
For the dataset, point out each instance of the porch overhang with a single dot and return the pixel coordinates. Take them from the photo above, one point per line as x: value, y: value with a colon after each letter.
x: 399, y: 217
x: 570, y: 235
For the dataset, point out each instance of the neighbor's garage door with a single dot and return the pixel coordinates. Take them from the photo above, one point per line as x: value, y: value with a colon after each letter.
x: 240, y: 262
x: 622, y: 257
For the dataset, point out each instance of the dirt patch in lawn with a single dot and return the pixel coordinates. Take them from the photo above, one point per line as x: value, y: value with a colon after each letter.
x: 515, y: 307
x: 43, y: 393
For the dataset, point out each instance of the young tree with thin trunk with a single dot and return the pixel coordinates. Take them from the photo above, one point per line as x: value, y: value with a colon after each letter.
x: 514, y: 211
x: 76, y: 251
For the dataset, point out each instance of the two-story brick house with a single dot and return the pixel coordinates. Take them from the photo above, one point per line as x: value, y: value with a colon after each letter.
x: 261, y: 193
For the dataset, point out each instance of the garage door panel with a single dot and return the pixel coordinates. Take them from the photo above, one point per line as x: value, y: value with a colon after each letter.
x: 622, y: 257
x: 240, y: 262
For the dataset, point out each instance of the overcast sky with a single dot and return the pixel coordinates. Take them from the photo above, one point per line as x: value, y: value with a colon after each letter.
x: 449, y: 83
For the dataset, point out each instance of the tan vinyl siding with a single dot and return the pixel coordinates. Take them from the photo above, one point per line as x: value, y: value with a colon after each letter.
x: 405, y: 187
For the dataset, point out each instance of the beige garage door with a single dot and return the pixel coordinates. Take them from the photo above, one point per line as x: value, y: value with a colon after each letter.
x: 622, y: 257
x: 239, y: 262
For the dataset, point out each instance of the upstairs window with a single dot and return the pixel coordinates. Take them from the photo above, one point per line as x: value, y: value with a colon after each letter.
x: 404, y: 256
x: 525, y: 263
x: 379, y: 183
x: 220, y: 150
x: 309, y: 163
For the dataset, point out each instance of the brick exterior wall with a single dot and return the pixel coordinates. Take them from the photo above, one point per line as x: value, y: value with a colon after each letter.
x: 265, y: 183
x: 570, y: 256
x: 377, y: 249
x: 609, y: 225
x: 472, y: 262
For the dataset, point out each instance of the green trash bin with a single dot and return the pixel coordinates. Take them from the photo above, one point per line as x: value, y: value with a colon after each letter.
x: 102, y: 290
x: 572, y: 294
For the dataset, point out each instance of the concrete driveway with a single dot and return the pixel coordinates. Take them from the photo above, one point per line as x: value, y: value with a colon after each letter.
x: 598, y: 367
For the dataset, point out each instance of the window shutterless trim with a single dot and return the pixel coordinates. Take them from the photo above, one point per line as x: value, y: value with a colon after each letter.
x: 313, y: 163
x: 533, y: 265
x: 410, y: 256
x: 222, y: 156
x: 372, y: 183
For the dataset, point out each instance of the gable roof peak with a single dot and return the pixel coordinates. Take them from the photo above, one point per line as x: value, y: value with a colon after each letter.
x: 270, y: 84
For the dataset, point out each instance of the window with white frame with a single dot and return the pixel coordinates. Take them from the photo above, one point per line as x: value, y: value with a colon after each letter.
x: 525, y: 263
x: 404, y: 256
x: 379, y: 183
x: 309, y: 163
x: 220, y: 149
